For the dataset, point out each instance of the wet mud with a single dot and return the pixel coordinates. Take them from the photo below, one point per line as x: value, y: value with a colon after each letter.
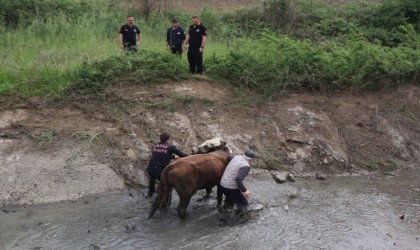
x: 338, y: 213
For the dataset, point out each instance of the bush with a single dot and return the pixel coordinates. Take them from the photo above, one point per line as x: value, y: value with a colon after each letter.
x: 145, y: 66
x: 390, y: 23
x: 21, y: 13
x: 276, y: 63
x: 273, y: 64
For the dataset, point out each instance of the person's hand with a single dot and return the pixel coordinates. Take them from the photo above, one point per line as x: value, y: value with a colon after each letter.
x: 184, y: 48
x: 177, y: 157
x: 121, y: 46
x: 168, y: 47
x: 246, y: 194
x: 138, y: 43
x: 201, y: 50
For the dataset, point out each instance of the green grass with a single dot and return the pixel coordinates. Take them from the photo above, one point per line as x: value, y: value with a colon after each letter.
x: 63, y: 46
x: 381, y: 165
x: 46, y: 138
x: 41, y: 59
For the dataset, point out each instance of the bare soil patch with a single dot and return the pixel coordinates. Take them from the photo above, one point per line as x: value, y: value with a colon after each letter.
x: 98, y: 143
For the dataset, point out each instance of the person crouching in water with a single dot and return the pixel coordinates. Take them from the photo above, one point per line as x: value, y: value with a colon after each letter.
x: 231, y: 183
x: 162, y: 153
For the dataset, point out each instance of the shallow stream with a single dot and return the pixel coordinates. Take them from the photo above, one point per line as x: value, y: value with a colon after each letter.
x: 339, y: 213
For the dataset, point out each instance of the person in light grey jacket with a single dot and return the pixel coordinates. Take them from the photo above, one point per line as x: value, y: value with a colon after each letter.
x: 232, y: 181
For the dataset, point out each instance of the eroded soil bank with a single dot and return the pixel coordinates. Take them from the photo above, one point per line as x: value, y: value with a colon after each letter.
x: 63, y: 150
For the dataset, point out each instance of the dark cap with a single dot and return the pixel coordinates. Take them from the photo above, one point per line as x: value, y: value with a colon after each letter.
x: 175, y: 20
x: 250, y: 153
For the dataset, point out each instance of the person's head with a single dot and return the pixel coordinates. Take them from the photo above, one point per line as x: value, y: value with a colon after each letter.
x: 175, y: 23
x: 130, y: 20
x: 165, y: 137
x: 195, y: 20
x: 249, y: 154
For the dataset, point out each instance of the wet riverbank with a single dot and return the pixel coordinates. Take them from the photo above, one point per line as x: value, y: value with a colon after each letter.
x: 339, y: 213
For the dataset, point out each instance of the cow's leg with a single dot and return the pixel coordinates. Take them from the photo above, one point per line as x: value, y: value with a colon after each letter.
x: 208, y: 192
x: 184, y: 200
x: 167, y: 200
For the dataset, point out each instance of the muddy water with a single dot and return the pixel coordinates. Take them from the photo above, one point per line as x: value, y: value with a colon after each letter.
x: 339, y: 213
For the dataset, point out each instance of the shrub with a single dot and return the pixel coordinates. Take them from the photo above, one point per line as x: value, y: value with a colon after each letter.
x: 147, y: 66
x: 21, y: 13
x: 274, y: 63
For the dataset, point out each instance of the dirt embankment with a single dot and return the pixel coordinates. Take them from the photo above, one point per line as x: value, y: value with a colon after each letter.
x: 53, y: 151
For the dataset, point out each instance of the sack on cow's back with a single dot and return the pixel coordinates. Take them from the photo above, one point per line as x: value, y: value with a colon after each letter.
x: 154, y: 171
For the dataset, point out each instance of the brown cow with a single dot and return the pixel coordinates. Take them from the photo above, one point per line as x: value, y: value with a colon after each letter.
x: 189, y: 174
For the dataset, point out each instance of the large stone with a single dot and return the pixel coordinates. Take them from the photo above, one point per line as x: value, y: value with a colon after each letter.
x: 320, y: 176
x: 280, y: 176
x: 255, y: 207
x: 299, y: 166
x: 144, y: 156
x: 291, y: 177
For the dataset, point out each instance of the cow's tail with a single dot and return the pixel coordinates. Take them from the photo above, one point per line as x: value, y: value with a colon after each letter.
x: 164, y: 190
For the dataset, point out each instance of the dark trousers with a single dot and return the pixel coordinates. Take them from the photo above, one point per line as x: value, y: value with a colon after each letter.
x: 132, y: 48
x: 195, y: 59
x: 154, y: 173
x: 176, y: 50
x: 152, y: 183
x: 234, y: 197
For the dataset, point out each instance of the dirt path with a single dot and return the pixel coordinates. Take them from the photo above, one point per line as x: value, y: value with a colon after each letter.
x: 62, y: 151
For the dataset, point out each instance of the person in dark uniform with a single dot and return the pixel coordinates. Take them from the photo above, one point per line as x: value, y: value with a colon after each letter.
x: 196, y: 38
x: 162, y: 153
x: 231, y: 182
x: 130, y: 35
x: 175, y: 37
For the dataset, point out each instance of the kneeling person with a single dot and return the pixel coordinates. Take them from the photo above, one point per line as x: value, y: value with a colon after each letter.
x: 231, y: 183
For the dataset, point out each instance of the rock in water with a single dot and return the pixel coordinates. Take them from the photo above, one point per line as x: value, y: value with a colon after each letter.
x: 322, y: 177
x: 291, y: 177
x: 280, y: 176
x: 255, y: 207
x: 286, y: 208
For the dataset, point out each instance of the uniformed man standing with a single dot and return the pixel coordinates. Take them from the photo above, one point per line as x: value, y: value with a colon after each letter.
x: 175, y: 37
x: 196, y: 38
x: 130, y: 35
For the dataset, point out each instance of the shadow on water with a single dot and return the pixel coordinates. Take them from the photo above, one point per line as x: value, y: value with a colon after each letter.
x: 339, y: 213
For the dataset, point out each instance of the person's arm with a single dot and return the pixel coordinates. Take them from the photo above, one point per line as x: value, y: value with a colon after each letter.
x: 186, y: 41
x: 203, y: 40
x: 180, y: 153
x: 203, y: 43
x: 138, y: 38
x: 168, y: 38
x: 242, y: 173
x: 177, y: 152
x: 183, y: 34
x: 121, y: 41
